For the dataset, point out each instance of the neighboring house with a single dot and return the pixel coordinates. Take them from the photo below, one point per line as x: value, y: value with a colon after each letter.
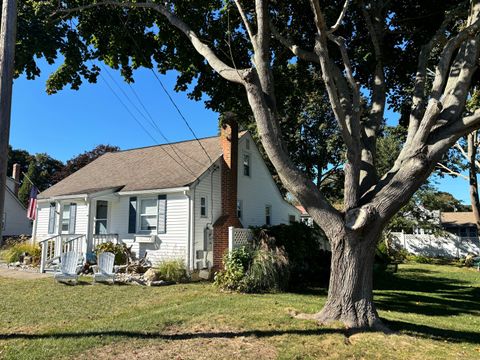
x: 460, y: 237
x: 462, y: 224
x: 15, y: 221
x: 170, y: 201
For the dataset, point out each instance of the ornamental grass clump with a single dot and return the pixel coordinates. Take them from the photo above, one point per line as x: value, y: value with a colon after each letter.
x: 264, y: 268
x: 14, y: 252
x: 172, y: 270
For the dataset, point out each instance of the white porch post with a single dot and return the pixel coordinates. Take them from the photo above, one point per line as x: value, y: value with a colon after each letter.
x: 89, y: 234
x: 43, y: 257
x: 230, y: 238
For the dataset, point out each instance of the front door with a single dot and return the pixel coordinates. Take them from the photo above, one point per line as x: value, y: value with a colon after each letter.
x: 101, y: 217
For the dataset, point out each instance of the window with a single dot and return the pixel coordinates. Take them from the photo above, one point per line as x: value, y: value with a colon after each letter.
x: 246, y: 164
x: 268, y: 215
x: 472, y: 231
x: 247, y: 144
x: 101, y: 217
x: 203, y: 206
x: 65, y: 220
x: 463, y: 232
x: 4, y: 220
x: 291, y: 219
x: 239, y: 209
x: 51, y: 218
x: 148, y: 215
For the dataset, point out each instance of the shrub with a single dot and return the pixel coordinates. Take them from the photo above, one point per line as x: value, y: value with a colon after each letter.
x: 236, y: 264
x: 119, y: 250
x: 309, y: 264
x: 420, y: 259
x: 12, y: 253
x: 172, y: 270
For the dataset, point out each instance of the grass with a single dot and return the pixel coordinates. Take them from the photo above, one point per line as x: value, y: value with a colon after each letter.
x: 434, y: 309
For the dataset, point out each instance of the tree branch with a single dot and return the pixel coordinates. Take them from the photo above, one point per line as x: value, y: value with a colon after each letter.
x: 245, y: 21
x: 464, y: 153
x: 340, y: 17
x: 443, y: 67
x: 451, y: 172
x: 295, y: 49
x: 378, y: 88
x: 225, y: 71
x: 418, y: 101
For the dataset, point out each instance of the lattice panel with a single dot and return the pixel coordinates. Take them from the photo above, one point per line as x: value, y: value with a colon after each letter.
x: 242, y: 237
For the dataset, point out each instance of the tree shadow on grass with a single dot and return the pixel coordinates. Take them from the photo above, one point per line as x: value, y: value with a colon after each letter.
x: 176, y: 336
x: 429, y: 332
x: 416, y: 291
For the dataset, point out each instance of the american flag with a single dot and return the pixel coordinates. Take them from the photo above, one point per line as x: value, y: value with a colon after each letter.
x: 32, y: 203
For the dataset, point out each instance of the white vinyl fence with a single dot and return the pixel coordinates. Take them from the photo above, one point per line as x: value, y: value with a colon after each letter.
x: 437, y: 246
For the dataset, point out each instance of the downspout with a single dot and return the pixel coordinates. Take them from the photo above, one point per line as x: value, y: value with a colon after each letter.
x: 191, y: 249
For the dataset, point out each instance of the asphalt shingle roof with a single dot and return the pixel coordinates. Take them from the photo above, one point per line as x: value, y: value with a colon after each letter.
x: 458, y: 218
x: 142, y: 169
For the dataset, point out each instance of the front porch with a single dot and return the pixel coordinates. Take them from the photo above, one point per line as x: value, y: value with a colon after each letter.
x: 53, y: 247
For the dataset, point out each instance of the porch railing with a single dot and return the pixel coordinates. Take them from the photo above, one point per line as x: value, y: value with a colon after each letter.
x: 98, y: 239
x: 55, y: 246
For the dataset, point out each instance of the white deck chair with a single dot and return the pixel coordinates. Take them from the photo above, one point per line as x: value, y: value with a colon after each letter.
x: 68, y: 268
x: 104, y: 270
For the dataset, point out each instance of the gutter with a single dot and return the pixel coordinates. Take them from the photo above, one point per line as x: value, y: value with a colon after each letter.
x: 154, y: 191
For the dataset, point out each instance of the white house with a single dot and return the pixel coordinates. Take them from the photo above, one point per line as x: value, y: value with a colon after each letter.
x: 169, y: 201
x: 15, y: 221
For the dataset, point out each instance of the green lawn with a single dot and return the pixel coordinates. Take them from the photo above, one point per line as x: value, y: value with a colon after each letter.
x: 434, y: 309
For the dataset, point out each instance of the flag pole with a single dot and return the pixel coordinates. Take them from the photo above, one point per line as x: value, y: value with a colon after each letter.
x: 29, y: 180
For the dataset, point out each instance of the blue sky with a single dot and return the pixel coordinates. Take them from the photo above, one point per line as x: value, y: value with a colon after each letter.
x: 70, y: 122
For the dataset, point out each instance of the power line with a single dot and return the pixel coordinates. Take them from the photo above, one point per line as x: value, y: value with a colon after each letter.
x: 152, y: 122
x: 141, y: 125
x: 165, y: 89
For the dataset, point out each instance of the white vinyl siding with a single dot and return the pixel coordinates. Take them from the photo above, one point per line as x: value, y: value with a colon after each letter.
x: 208, y: 186
x: 43, y: 216
x: 170, y: 245
x: 259, y: 189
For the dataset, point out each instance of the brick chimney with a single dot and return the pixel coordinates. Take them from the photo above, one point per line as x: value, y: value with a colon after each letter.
x: 229, y: 180
x: 16, y: 178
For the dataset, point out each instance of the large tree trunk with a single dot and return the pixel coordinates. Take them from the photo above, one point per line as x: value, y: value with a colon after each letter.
x: 350, y: 294
x: 472, y: 155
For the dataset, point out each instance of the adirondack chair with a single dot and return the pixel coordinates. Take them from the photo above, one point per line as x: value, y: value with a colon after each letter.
x: 104, y: 270
x: 68, y: 268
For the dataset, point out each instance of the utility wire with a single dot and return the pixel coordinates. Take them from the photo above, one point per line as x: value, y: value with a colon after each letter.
x: 141, y: 125
x: 155, y: 125
x: 151, y: 121
x: 164, y: 88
